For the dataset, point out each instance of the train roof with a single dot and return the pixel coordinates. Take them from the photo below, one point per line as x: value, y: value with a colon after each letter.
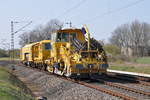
x: 45, y: 41
x: 31, y: 44
x: 67, y: 29
x: 70, y: 29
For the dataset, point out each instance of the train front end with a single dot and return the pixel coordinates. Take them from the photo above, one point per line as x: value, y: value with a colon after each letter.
x: 74, y: 56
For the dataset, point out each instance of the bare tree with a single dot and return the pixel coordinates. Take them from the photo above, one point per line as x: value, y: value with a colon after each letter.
x: 133, y: 36
x: 40, y: 32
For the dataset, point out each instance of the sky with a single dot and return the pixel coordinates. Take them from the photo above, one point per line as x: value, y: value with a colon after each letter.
x: 100, y: 16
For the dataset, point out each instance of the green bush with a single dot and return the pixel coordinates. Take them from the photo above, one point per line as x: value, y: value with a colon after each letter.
x: 121, y: 59
x: 112, y: 49
x: 4, y: 53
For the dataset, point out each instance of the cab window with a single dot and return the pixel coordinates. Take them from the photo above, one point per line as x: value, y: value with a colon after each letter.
x: 73, y: 36
x: 47, y: 46
x: 63, y: 37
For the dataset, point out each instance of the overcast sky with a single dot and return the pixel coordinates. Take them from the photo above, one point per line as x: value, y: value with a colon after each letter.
x: 97, y: 14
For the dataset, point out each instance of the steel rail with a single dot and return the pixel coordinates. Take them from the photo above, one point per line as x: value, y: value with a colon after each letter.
x: 124, y: 87
x: 130, y: 79
x: 137, y: 78
x: 110, y: 92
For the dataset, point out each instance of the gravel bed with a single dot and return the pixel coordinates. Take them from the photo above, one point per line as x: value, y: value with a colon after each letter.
x: 55, y: 88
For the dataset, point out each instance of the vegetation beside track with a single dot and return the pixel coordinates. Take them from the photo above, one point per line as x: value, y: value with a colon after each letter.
x: 143, y: 60
x: 131, y: 68
x: 7, y: 59
x: 4, y: 58
x: 11, y: 88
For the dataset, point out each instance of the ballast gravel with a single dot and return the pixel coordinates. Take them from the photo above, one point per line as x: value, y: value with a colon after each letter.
x: 54, y: 88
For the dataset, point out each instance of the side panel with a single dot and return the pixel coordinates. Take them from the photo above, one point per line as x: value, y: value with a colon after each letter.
x: 26, y: 53
x: 36, y: 52
x: 46, y: 49
x: 41, y: 51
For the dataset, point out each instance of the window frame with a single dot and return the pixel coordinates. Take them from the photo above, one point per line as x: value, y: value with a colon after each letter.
x: 50, y: 47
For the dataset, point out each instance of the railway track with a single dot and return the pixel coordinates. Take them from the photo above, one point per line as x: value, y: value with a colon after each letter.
x: 125, y: 90
x: 123, y: 87
x: 110, y: 92
x: 139, y: 80
x: 102, y: 89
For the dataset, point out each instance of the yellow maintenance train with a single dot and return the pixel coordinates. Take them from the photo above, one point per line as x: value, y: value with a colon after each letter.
x: 70, y: 52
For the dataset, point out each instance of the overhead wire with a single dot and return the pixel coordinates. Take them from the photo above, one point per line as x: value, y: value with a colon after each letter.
x: 112, y: 11
x: 72, y: 8
x: 23, y: 27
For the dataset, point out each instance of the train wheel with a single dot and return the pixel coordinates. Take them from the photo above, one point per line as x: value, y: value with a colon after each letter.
x: 55, y: 70
x: 49, y: 69
x: 28, y: 64
x: 25, y: 63
x: 41, y: 66
x: 68, y: 72
x: 45, y: 67
x: 64, y: 71
x: 34, y: 65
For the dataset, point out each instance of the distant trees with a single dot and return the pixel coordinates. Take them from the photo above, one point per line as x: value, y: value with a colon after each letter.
x: 4, y: 53
x: 132, y: 39
x: 40, y: 32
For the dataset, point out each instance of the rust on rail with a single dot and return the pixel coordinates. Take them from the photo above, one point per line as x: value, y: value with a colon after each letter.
x: 124, y: 87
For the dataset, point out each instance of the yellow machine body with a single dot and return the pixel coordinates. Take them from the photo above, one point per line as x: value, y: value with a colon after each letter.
x: 65, y: 60
x: 41, y: 51
x: 67, y: 53
x: 36, y: 53
x: 26, y: 52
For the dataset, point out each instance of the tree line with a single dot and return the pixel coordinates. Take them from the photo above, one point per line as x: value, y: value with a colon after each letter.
x: 133, y: 39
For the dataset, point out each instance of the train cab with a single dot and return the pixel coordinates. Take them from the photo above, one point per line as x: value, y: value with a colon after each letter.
x: 67, y: 35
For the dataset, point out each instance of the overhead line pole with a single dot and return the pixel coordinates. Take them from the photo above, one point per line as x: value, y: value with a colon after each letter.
x: 12, y: 53
x: 12, y: 42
